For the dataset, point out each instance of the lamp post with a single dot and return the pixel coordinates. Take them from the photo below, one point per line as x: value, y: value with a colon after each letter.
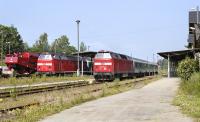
x: 1, y: 48
x: 78, y: 21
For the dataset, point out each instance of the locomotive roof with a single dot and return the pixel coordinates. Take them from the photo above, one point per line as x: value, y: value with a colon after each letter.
x: 64, y: 56
x: 128, y: 57
x: 143, y: 61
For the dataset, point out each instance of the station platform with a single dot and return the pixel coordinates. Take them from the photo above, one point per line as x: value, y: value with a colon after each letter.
x: 151, y: 103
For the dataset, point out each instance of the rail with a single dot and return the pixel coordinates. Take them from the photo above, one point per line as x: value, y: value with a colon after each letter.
x: 30, y: 89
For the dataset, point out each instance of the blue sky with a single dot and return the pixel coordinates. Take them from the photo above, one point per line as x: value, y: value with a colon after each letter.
x: 137, y: 27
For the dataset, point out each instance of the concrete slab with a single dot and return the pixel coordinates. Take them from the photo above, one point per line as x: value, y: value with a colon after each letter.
x: 151, y: 103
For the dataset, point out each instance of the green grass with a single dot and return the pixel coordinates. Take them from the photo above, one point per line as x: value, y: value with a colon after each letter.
x: 34, y: 79
x: 2, y: 63
x: 188, y: 96
x: 69, y: 98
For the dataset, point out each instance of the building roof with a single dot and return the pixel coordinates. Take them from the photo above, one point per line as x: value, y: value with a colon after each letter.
x: 86, y: 54
x: 178, y: 55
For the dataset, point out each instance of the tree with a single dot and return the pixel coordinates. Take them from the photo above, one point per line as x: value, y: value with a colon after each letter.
x: 70, y: 50
x: 62, y: 45
x: 41, y: 45
x: 9, y: 36
x: 26, y: 47
x: 83, y: 47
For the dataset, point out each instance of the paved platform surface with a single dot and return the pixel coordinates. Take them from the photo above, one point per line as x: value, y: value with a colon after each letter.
x: 151, y: 103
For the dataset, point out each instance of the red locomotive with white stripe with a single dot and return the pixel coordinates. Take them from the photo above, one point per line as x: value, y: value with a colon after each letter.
x: 109, y: 65
x: 51, y: 63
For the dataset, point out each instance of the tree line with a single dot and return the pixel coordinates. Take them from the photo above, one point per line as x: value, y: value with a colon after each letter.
x: 9, y: 36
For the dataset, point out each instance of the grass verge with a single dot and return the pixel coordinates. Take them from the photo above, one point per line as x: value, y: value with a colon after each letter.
x: 60, y: 100
x: 188, y: 97
x: 34, y: 79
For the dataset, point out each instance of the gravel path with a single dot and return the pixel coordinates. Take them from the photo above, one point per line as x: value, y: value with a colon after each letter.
x: 151, y: 103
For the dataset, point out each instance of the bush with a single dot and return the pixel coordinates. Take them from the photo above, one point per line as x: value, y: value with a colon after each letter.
x: 192, y: 85
x: 186, y: 67
x: 188, y: 97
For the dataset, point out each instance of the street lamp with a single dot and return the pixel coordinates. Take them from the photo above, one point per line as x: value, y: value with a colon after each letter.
x: 8, y: 47
x: 78, y: 21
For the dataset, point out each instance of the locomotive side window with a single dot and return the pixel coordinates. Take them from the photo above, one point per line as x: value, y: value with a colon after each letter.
x: 116, y: 56
x: 123, y: 56
x: 103, y: 55
x: 46, y: 57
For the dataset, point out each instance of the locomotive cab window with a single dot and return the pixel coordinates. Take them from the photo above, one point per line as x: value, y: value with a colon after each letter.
x: 46, y: 57
x: 103, y: 55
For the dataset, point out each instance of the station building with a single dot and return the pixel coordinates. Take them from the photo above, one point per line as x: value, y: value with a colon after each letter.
x: 193, y: 47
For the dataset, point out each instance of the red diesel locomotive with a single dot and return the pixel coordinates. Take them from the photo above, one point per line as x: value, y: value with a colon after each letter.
x: 22, y: 63
x: 109, y: 65
x: 50, y: 63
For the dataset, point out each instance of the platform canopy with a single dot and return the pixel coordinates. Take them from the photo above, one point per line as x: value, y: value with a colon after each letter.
x: 86, y: 54
x: 179, y: 55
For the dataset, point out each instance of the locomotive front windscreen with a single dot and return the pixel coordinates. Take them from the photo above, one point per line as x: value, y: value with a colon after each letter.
x: 103, y: 55
x: 46, y: 57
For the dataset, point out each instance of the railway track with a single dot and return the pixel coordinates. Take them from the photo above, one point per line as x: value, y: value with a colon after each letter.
x: 38, y: 88
x: 69, y: 85
x: 31, y: 89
